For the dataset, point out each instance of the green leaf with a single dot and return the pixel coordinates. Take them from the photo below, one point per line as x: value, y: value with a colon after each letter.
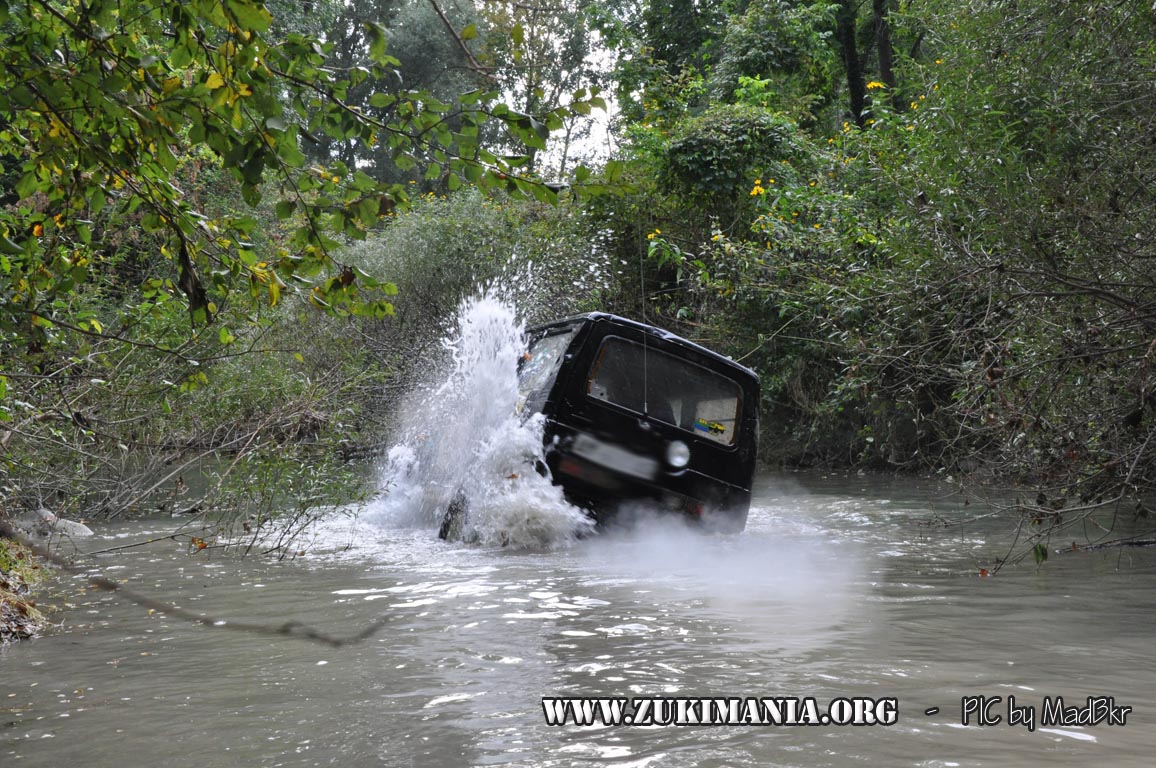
x: 288, y: 151
x: 367, y: 210
x: 1040, y: 553
x: 381, y: 100
x: 544, y: 194
x: 250, y: 14
x: 377, y: 41
x: 470, y: 32
x: 251, y: 194
x: 96, y: 200
x: 613, y: 169
x: 10, y: 247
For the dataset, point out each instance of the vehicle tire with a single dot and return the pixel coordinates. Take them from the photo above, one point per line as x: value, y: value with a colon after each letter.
x: 454, y: 521
x: 726, y: 521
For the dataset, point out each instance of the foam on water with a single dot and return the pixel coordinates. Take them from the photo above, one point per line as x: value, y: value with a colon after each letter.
x: 462, y: 437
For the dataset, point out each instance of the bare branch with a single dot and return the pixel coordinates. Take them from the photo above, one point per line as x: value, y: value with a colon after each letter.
x: 294, y: 629
x: 475, y: 65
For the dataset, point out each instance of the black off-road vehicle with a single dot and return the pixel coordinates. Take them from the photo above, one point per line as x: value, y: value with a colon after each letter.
x: 636, y: 414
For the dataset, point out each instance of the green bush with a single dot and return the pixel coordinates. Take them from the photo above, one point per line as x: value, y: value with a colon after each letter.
x: 550, y: 261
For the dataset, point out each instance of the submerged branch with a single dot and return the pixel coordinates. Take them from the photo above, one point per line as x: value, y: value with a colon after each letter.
x: 121, y: 547
x: 287, y: 629
x: 1116, y: 543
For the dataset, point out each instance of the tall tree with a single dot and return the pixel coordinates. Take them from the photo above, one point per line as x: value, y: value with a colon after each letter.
x: 846, y: 33
x: 883, y: 45
x: 540, y: 53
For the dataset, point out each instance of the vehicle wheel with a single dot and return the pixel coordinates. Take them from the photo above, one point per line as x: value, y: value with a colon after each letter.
x: 726, y: 521
x: 454, y: 520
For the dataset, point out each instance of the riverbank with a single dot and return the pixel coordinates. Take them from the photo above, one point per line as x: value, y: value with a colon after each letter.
x: 19, y: 574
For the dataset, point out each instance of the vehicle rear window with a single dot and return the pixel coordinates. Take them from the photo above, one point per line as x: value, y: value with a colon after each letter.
x: 666, y: 388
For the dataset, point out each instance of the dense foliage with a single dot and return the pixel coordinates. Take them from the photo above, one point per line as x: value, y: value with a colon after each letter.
x: 928, y: 226
x: 178, y: 182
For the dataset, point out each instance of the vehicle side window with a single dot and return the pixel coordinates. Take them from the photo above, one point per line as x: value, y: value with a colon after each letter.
x: 666, y: 388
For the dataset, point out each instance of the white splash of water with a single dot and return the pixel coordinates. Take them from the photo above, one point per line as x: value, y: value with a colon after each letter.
x: 463, y: 440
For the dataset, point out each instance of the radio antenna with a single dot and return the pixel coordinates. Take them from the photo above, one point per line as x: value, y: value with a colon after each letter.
x: 642, y: 291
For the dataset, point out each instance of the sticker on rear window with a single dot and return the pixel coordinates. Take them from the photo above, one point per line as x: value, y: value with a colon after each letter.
x: 713, y: 427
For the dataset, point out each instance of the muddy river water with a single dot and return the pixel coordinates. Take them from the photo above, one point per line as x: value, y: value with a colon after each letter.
x: 838, y: 588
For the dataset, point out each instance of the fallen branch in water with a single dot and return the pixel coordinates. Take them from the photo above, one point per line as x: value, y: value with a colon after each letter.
x: 288, y: 629
x: 155, y: 539
x: 1111, y: 545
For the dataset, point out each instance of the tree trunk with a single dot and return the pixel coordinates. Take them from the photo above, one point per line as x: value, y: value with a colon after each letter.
x: 886, y: 51
x: 845, y: 34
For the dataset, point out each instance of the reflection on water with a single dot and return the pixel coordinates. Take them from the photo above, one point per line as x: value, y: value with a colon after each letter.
x: 834, y: 590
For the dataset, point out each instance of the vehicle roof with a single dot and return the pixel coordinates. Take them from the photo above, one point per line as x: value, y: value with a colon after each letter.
x: 606, y: 317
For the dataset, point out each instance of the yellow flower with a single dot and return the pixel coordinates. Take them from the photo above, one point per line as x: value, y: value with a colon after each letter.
x: 875, y: 84
x: 38, y: 230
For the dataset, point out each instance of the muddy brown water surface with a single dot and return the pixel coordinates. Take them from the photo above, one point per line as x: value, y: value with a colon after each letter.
x: 837, y: 588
